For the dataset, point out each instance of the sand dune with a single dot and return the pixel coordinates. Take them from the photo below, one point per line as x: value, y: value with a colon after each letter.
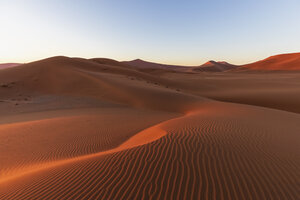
x: 213, y: 66
x: 8, y: 65
x: 220, y: 151
x: 283, y: 62
x: 146, y: 66
x: 73, y: 128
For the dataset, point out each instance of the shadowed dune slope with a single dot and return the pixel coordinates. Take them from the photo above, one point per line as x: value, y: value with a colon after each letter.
x: 144, y: 65
x: 283, y: 62
x: 109, y: 80
x: 213, y: 66
x: 221, y: 151
x: 277, y: 90
x: 81, y: 77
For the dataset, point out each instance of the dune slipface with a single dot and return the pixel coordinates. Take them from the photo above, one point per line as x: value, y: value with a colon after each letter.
x: 73, y: 128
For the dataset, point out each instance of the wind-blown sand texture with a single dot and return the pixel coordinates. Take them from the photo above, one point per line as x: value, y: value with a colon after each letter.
x: 73, y: 128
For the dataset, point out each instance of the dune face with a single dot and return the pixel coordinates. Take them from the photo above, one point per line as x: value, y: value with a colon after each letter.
x: 8, y: 65
x: 213, y: 66
x: 73, y: 128
x: 150, y: 66
x: 283, y: 62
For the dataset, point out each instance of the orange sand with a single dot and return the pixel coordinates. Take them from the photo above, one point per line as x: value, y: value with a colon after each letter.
x: 73, y: 128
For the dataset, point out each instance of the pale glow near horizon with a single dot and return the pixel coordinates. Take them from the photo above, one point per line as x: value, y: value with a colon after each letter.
x: 171, y: 32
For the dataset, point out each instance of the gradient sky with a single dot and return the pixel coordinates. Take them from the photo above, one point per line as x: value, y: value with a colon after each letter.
x: 187, y: 32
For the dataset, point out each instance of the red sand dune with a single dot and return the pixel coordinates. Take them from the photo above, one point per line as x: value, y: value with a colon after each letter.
x: 148, y: 66
x: 283, y: 62
x: 8, y: 65
x: 213, y: 66
x: 73, y: 128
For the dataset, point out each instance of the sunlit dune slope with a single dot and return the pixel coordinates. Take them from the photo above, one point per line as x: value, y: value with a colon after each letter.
x: 283, y: 62
x: 69, y: 135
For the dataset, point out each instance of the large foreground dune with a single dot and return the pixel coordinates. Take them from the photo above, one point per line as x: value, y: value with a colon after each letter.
x: 73, y: 128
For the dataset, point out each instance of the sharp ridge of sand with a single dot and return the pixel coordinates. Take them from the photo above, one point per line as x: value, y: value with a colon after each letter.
x: 141, y: 138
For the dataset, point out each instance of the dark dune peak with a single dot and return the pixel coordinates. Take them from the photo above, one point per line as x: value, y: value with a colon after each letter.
x: 107, y: 61
x: 138, y: 63
x: 214, y: 66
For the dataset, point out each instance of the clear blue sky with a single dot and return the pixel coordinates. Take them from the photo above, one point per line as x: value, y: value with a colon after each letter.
x: 169, y: 31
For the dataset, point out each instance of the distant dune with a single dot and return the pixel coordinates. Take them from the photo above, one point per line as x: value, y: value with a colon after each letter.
x: 212, y: 66
x: 283, y: 62
x: 107, y: 61
x: 74, y: 128
x: 141, y: 64
x: 7, y: 65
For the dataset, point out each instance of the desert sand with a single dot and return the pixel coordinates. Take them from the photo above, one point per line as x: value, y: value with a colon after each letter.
x: 74, y: 128
x: 8, y: 65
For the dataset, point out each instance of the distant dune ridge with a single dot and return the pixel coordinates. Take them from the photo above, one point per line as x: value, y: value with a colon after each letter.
x: 74, y: 128
x: 278, y: 62
x: 7, y: 65
x: 144, y: 64
x: 213, y: 66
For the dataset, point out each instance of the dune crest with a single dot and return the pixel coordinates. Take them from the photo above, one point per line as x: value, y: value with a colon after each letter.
x: 144, y: 137
x: 8, y: 65
x: 283, y: 62
x: 213, y: 66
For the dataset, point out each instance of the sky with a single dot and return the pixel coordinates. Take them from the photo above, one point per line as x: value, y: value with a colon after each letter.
x: 186, y: 32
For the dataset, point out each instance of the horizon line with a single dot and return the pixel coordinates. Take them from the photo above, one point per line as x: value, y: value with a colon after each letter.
x: 154, y: 62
